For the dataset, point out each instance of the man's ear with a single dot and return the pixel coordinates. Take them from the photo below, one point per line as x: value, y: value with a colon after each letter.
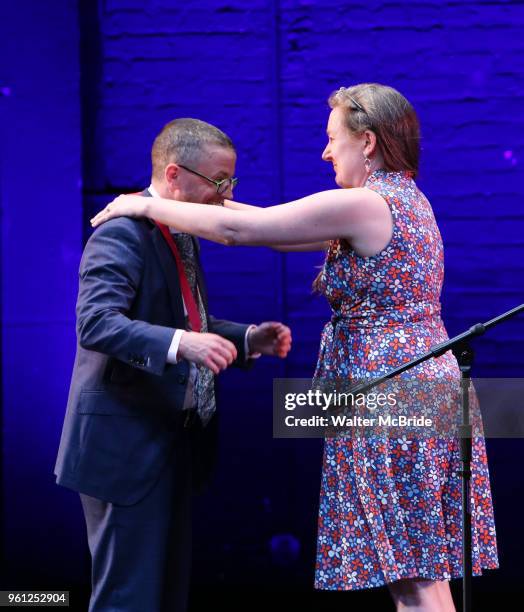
x: 171, y: 175
x: 370, y: 143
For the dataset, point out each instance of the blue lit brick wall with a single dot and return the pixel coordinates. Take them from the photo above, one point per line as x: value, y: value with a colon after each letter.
x: 262, y: 71
x: 41, y: 240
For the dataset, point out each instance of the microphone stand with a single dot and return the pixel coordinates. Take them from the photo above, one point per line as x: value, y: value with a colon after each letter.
x: 461, y: 348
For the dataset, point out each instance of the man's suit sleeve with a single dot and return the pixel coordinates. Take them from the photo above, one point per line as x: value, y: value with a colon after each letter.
x: 110, y: 274
x: 236, y: 333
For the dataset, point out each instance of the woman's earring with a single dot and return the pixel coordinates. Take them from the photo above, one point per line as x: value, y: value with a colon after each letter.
x: 367, y: 164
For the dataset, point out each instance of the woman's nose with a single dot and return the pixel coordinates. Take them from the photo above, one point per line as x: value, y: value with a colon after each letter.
x: 326, y: 154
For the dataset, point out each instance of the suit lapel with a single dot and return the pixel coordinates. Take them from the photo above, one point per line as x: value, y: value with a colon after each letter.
x: 170, y: 270
x: 168, y: 265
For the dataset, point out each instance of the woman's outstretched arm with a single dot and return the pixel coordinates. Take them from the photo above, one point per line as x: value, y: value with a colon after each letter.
x: 311, y: 246
x: 338, y: 213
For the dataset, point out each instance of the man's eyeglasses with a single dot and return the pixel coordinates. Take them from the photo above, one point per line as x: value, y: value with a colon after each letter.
x: 222, y: 185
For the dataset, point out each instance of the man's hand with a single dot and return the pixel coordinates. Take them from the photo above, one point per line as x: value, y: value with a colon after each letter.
x: 208, y: 350
x: 270, y: 338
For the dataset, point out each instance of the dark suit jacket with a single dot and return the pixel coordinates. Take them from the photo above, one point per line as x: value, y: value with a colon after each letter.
x: 125, y: 401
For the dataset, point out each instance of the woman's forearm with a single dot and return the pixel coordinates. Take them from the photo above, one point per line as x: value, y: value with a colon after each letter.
x: 208, y: 221
x: 233, y: 205
x: 311, y: 220
x: 284, y: 248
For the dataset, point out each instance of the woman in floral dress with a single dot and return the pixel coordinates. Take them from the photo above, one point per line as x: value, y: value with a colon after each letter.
x: 390, y: 507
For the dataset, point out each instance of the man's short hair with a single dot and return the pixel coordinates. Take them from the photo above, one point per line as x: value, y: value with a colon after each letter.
x: 181, y: 141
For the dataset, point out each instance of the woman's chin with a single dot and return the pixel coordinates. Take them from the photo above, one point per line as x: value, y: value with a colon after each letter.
x: 339, y: 180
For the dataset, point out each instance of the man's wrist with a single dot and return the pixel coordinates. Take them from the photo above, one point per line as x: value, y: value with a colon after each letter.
x: 172, y: 354
x: 248, y: 345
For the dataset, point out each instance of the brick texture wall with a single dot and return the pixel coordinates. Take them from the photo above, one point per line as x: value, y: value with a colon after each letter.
x: 262, y: 71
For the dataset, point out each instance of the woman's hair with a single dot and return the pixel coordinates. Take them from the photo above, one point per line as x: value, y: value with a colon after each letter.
x: 385, y: 111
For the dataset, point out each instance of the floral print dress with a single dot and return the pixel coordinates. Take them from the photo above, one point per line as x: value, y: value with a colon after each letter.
x: 390, y: 508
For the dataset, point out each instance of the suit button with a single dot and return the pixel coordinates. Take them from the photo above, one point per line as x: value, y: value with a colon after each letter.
x: 182, y: 379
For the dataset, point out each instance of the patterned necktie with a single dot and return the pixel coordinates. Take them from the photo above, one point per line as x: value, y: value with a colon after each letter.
x: 204, y: 389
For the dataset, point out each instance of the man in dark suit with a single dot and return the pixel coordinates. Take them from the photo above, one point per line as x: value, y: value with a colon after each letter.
x: 140, y: 418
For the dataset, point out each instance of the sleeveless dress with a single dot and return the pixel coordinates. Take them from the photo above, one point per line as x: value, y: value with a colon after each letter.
x: 390, y: 508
